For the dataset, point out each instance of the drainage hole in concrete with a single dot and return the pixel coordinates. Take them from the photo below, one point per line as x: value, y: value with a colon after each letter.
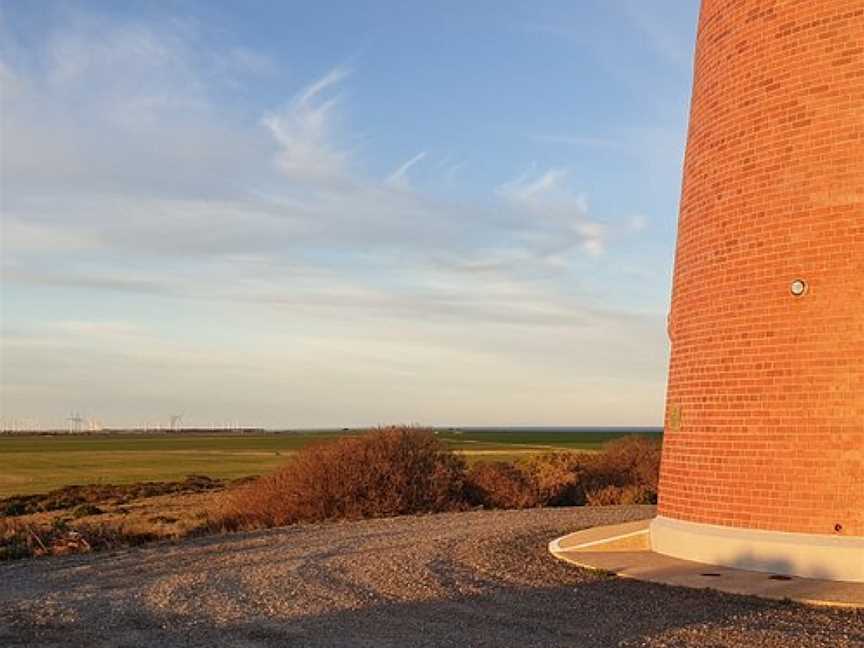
x: 712, y: 574
x: 779, y: 577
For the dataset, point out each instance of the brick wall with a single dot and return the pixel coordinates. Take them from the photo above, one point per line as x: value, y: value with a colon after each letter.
x: 765, y: 409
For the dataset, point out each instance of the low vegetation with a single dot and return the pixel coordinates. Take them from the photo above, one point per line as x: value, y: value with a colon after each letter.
x: 393, y: 471
x: 387, y: 472
x: 399, y: 470
x: 118, y: 520
x: 38, y: 463
x: 86, y: 498
x: 625, y: 472
x: 20, y: 539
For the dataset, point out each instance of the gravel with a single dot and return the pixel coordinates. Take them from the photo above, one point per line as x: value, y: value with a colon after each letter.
x: 464, y: 579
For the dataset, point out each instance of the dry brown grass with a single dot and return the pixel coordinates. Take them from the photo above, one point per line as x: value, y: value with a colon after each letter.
x: 87, y: 527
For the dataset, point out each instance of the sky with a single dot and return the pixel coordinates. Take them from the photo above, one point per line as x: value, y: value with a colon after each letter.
x: 290, y: 214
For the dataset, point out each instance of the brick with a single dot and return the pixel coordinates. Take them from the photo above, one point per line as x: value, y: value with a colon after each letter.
x: 765, y: 401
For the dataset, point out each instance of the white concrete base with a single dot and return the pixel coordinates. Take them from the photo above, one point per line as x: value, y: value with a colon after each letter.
x: 623, y: 549
x: 838, y: 558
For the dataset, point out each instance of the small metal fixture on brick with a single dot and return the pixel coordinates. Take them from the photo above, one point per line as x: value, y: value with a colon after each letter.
x: 798, y: 288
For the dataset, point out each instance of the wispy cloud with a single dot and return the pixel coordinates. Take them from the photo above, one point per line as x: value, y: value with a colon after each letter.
x: 124, y: 167
x: 305, y: 131
x: 526, y: 189
x: 454, y: 170
x: 563, y: 214
x: 399, y: 178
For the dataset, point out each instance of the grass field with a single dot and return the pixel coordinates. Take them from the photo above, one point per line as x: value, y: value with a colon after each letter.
x: 38, y: 463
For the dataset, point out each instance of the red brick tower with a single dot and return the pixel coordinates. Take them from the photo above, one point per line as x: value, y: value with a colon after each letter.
x: 763, y: 460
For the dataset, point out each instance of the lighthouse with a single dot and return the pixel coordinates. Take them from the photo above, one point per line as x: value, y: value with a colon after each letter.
x: 763, y: 458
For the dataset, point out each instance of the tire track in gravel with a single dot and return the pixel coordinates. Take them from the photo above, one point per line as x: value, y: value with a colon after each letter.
x: 462, y: 579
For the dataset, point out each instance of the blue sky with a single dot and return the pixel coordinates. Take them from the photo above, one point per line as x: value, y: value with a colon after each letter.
x: 313, y: 214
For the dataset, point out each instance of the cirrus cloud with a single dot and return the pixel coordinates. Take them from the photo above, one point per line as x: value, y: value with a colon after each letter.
x: 132, y: 182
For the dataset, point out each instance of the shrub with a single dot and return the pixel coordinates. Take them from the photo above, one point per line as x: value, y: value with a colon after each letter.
x: 55, y: 538
x: 389, y: 471
x: 620, y: 495
x: 87, y: 537
x: 628, y: 461
x: 558, y: 477
x: 13, y: 540
x: 624, y: 472
x: 500, y: 484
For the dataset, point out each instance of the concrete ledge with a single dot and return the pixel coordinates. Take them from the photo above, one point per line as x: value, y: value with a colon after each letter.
x: 793, y: 554
x: 619, y: 537
x: 624, y: 550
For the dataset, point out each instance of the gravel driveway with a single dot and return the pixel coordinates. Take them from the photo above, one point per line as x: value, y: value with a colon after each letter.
x: 464, y: 579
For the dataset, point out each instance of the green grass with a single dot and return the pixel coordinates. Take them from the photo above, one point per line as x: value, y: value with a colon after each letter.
x: 36, y: 464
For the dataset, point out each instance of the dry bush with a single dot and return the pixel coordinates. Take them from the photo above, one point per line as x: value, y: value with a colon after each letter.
x: 23, y: 539
x: 109, y: 536
x: 88, y: 528
x: 624, y: 472
x: 390, y: 471
x: 14, y: 540
x: 620, y: 495
x: 56, y: 537
x: 499, y: 484
x: 558, y: 477
x: 628, y: 461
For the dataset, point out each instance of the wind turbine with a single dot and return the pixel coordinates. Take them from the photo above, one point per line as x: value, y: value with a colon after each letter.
x: 76, y: 422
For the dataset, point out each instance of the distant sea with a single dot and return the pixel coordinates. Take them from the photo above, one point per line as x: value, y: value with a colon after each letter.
x: 544, y: 429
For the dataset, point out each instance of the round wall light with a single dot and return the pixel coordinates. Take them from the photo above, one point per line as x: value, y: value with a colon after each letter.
x: 798, y: 288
